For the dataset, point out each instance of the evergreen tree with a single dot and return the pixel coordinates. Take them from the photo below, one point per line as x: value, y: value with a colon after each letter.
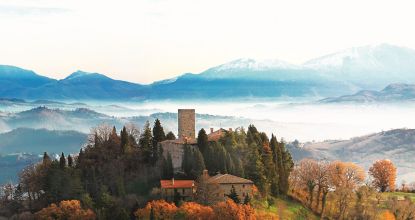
x: 46, y: 158
x: 158, y: 133
x: 70, y: 161
x: 202, y: 141
x: 152, y: 214
x: 198, y: 164
x: 187, y: 160
x: 62, y: 161
x: 234, y: 196
x: 170, y: 136
x: 287, y: 166
x: 125, y: 139
x: 221, y: 156
x: 254, y: 169
x: 168, y: 171
x: 146, y: 144
x: 247, y: 200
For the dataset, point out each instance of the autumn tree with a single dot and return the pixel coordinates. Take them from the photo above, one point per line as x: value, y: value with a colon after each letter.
x: 66, y: 210
x: 384, y: 175
x: 160, y: 209
x: 192, y: 210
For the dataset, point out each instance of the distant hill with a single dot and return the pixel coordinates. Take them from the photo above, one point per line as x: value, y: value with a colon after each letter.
x: 391, y: 93
x: 345, y: 72
x: 397, y: 145
x: 36, y: 141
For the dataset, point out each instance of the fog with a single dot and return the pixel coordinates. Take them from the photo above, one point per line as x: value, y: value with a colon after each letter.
x: 305, y: 121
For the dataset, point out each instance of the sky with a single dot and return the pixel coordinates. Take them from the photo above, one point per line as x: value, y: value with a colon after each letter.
x: 148, y: 40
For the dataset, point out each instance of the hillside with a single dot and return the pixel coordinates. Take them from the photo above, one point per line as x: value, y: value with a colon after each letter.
x: 397, y: 145
x: 37, y: 141
x: 391, y: 93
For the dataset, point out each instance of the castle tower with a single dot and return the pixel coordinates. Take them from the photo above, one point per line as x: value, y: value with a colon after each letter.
x: 187, y: 123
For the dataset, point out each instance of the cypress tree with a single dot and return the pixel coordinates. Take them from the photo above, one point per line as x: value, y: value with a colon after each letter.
x: 254, y: 169
x: 70, y: 161
x: 62, y: 161
x: 247, y: 200
x: 46, y: 158
x: 198, y: 164
x: 125, y: 145
x: 187, y: 160
x: 168, y: 171
x: 170, y: 136
x: 202, y: 141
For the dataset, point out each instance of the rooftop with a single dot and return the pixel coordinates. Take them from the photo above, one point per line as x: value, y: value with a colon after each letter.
x: 229, y: 179
x: 172, y: 184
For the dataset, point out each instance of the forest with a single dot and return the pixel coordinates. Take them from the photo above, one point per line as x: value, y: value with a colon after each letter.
x: 116, y: 175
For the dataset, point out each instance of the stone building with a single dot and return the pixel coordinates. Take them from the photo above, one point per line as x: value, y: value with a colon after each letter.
x: 172, y: 190
x: 186, y: 119
x: 243, y: 187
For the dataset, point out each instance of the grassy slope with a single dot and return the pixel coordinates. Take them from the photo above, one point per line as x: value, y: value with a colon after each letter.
x: 399, y: 195
x: 284, y: 209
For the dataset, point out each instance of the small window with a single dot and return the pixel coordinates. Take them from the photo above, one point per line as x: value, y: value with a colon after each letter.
x: 183, y: 191
x: 243, y: 185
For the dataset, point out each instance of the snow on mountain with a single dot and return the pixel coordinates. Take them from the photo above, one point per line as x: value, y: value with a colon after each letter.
x: 252, y: 64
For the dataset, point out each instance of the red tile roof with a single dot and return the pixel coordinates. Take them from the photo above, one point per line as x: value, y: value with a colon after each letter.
x: 168, y: 184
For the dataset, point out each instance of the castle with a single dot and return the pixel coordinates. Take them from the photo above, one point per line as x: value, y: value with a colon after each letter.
x: 186, y: 119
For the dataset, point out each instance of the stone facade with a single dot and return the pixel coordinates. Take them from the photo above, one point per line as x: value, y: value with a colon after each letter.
x: 175, y: 149
x: 243, y: 187
x: 186, y: 123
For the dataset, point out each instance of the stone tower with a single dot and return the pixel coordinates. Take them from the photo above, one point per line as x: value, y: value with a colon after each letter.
x: 186, y: 121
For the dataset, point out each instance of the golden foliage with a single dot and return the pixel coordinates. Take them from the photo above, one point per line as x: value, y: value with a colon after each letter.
x: 161, y: 210
x: 193, y: 210
x: 231, y: 211
x: 384, y: 175
x: 67, y: 210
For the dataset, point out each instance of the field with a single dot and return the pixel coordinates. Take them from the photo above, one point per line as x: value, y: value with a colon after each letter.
x: 284, y: 209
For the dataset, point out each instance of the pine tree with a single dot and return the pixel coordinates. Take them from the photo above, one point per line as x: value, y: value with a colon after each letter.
x: 146, y: 144
x: 202, y: 141
x: 70, y: 161
x: 158, y: 133
x: 62, y: 161
x: 170, y: 136
x: 234, y: 196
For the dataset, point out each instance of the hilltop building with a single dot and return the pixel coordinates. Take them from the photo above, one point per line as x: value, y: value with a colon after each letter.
x: 186, y: 135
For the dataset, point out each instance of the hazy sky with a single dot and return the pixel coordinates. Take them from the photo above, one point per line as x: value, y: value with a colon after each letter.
x: 147, y: 40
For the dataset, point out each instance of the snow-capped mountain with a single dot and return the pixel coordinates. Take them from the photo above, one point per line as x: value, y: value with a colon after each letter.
x: 345, y: 72
x: 371, y: 65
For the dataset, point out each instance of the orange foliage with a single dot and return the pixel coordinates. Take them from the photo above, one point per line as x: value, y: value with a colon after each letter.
x: 193, y: 210
x: 387, y: 215
x: 228, y: 210
x: 67, y: 210
x: 231, y: 211
x: 161, y: 210
x: 384, y: 175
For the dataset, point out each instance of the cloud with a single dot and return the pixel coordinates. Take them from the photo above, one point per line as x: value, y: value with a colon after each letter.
x: 15, y: 10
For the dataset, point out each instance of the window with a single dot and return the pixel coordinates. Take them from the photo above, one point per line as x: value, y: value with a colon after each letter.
x: 183, y: 191
x: 243, y: 185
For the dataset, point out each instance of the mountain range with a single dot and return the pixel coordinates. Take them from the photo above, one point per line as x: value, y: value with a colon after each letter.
x: 361, y: 68
x: 392, y: 93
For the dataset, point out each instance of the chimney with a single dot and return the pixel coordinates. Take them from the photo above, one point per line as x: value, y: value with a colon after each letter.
x: 205, y: 173
x: 172, y: 181
x: 211, y: 130
x: 230, y: 129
